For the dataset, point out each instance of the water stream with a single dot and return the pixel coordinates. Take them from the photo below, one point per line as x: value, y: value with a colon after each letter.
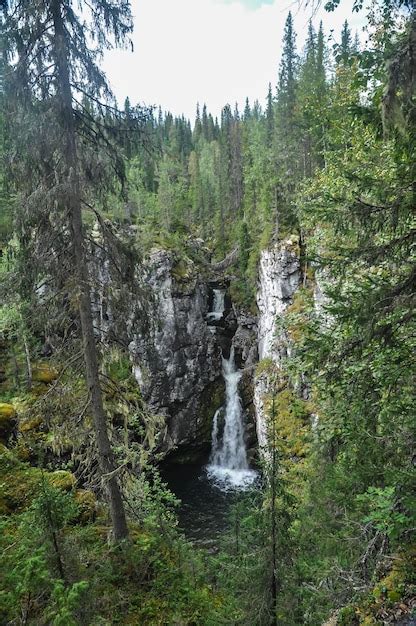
x: 208, y: 493
x: 228, y: 466
x: 218, y: 306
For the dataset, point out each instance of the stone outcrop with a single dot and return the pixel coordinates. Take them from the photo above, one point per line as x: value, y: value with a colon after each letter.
x: 279, y: 279
x: 177, y: 360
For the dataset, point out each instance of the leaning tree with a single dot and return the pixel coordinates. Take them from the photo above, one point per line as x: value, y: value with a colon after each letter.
x: 59, y: 110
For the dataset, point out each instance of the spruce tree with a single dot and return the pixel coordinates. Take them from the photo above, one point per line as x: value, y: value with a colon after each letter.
x: 247, y: 110
x: 198, y: 125
x: 54, y: 52
x: 286, y: 91
x: 287, y: 151
x: 270, y: 117
x: 346, y: 46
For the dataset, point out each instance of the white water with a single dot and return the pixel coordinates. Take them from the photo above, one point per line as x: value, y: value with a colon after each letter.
x: 228, y: 467
x: 218, y: 306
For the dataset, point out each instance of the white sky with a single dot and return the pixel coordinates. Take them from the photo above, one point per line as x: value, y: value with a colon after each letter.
x: 213, y: 51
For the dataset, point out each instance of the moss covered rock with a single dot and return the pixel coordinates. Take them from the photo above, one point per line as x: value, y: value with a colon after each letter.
x: 8, y: 421
x: 18, y: 482
x: 212, y: 398
x: 30, y: 424
x: 61, y: 479
x: 43, y: 373
x: 87, y: 505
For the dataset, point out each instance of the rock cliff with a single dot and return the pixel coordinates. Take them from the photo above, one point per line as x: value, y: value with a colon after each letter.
x: 279, y: 279
x: 177, y: 362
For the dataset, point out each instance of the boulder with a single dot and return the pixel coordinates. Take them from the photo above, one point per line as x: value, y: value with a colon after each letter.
x: 43, y: 373
x: 8, y: 421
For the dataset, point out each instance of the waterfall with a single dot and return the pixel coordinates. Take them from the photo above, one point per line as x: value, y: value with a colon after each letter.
x: 218, y: 306
x: 228, y: 466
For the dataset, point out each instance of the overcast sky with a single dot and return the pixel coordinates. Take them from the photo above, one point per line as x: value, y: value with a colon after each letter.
x: 213, y: 51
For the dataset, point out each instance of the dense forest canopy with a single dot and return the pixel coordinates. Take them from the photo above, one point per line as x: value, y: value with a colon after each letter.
x: 322, y: 166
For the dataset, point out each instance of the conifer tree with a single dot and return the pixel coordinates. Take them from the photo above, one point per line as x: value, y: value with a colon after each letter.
x: 247, y: 111
x: 54, y: 53
x: 286, y: 90
x: 198, y: 125
x: 236, y: 164
x: 270, y: 117
x: 346, y: 47
x: 287, y: 144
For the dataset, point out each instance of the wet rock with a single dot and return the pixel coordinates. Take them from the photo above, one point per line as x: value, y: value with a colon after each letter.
x: 245, y: 340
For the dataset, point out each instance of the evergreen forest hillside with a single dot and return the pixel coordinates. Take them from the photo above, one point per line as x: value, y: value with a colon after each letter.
x: 322, y: 166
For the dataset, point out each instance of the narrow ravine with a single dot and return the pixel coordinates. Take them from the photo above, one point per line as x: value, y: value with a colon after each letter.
x: 208, y: 492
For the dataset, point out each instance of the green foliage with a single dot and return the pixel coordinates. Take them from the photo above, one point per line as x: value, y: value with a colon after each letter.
x: 384, y: 512
x: 64, y: 603
x: 338, y: 497
x: 32, y: 560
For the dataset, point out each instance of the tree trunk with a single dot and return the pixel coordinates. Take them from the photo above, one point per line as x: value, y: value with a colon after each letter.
x: 64, y: 97
x: 28, y: 363
x: 274, y: 581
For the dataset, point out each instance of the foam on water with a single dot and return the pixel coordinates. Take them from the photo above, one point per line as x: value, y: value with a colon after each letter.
x: 230, y: 479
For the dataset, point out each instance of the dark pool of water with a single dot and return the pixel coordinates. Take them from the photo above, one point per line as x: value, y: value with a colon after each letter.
x: 205, y: 509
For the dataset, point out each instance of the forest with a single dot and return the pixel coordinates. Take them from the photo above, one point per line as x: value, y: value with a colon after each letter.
x: 234, y: 294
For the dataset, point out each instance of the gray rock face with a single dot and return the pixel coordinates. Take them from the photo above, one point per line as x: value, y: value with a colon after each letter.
x: 245, y: 340
x: 177, y: 362
x: 279, y: 279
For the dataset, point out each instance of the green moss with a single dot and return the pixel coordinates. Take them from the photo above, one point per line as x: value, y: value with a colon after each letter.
x: 7, y: 410
x: 7, y: 420
x: 292, y: 423
x: 348, y: 617
x: 30, y: 424
x: 396, y: 588
x: 119, y: 367
x: 265, y: 366
x: 212, y: 399
x: 296, y: 315
x: 43, y: 373
x: 182, y: 270
x: 20, y: 483
x: 61, y: 479
x: 87, y: 505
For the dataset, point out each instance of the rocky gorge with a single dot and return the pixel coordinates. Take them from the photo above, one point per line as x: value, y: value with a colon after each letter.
x: 177, y: 360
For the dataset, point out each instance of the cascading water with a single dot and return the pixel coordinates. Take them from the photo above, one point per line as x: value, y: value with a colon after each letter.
x: 228, y: 467
x: 218, y: 306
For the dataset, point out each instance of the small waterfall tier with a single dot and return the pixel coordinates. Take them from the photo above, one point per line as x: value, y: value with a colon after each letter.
x: 218, y: 306
x: 228, y: 466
